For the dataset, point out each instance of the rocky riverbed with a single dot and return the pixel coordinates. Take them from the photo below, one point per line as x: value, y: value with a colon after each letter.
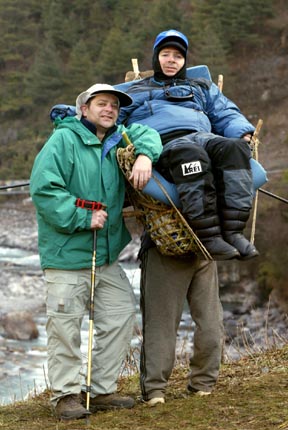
x: 250, y: 323
x: 22, y: 287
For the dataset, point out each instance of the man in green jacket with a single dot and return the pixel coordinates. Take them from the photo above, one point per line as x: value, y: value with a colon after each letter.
x: 76, y: 167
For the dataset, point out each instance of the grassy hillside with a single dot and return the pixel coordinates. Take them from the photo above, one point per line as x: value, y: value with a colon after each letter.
x: 251, y: 394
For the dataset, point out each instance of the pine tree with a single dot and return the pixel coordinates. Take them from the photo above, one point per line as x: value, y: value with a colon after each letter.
x: 163, y: 15
x: 123, y: 41
x: 207, y: 47
x: 80, y: 72
x: 240, y: 19
x: 16, y: 51
x: 45, y: 81
x: 57, y: 26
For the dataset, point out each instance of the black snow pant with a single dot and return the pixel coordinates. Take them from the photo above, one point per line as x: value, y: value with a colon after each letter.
x: 211, y: 173
x: 214, y: 180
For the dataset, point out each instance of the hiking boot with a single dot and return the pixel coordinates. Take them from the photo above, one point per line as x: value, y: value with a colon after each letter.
x: 104, y: 402
x: 70, y: 408
x: 233, y: 224
x: 154, y: 401
x: 219, y: 249
x: 196, y: 392
x: 209, y: 232
x: 246, y: 249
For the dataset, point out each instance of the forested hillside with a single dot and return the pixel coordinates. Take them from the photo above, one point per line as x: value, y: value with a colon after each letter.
x: 51, y: 50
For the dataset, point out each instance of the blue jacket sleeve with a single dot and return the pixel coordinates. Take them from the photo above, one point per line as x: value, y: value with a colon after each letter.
x: 226, y: 118
x: 138, y: 100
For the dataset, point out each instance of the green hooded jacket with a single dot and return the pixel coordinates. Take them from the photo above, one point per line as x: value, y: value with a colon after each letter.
x: 68, y: 167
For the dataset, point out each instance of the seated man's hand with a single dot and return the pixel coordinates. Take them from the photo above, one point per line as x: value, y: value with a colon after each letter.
x: 247, y: 137
x: 141, y: 172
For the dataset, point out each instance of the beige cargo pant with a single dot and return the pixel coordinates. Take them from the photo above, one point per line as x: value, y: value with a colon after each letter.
x: 68, y: 294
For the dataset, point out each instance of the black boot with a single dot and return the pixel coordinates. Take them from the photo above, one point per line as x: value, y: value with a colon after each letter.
x: 209, y: 232
x: 233, y: 223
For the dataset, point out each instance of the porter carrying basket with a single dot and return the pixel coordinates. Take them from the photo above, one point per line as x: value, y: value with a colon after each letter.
x: 165, y: 224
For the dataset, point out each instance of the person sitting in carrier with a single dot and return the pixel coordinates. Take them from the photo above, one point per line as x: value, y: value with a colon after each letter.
x: 206, y: 147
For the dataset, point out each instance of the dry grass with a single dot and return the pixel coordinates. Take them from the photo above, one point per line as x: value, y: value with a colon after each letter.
x: 251, y: 394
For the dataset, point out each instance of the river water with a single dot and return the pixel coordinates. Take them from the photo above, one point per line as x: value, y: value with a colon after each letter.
x: 23, y: 365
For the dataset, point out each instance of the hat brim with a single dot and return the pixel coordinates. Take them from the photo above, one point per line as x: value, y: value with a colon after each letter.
x: 123, y: 98
x: 172, y: 44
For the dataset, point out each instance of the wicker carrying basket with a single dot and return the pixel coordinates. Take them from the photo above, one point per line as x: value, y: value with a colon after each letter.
x: 165, y: 224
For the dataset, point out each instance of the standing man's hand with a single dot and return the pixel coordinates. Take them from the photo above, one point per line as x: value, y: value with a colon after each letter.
x: 98, y: 219
x: 141, y: 172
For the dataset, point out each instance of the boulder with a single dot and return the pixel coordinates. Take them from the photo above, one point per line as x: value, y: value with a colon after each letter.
x: 19, y: 325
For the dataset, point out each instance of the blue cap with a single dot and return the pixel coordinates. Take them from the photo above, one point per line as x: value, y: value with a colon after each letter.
x: 173, y: 36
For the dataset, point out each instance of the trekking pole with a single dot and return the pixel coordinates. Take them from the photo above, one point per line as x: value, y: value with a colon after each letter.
x: 91, y: 320
x: 90, y: 205
x: 273, y: 195
x: 6, y: 187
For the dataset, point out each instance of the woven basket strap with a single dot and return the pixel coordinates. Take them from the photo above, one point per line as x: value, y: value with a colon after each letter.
x: 204, y: 251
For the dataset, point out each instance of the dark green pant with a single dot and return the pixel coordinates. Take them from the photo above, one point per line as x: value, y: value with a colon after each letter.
x: 165, y: 284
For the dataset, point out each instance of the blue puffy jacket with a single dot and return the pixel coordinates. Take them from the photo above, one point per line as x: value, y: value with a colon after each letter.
x: 192, y: 105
